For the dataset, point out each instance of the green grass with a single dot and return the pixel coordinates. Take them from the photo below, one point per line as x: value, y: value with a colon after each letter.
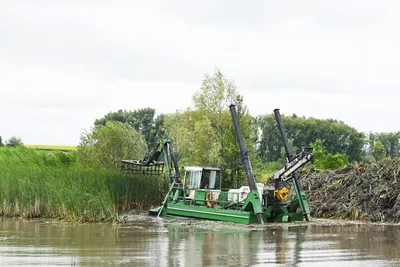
x: 35, y: 183
x: 264, y: 171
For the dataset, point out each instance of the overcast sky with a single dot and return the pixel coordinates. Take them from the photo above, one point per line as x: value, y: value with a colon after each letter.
x: 65, y: 63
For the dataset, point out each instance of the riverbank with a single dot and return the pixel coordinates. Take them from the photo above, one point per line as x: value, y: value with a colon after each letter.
x: 50, y: 184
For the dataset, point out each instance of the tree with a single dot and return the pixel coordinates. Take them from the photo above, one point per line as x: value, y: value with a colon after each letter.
x: 325, y: 160
x: 142, y: 120
x: 335, y: 136
x: 216, y: 93
x: 382, y: 145
x: 194, y: 139
x: 378, y: 151
x: 1, y: 141
x: 156, y: 132
x: 391, y: 143
x: 270, y: 142
x: 14, y: 141
x: 205, y: 134
x: 106, y: 145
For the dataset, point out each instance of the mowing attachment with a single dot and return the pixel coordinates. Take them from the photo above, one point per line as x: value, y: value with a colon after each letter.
x: 138, y: 167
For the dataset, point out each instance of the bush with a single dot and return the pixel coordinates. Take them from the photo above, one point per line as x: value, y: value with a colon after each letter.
x: 14, y: 141
x: 327, y: 161
x: 106, y: 145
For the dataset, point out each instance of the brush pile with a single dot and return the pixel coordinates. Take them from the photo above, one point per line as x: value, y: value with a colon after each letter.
x: 368, y: 193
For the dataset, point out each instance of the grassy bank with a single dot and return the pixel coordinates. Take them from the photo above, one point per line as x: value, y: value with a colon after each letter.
x: 36, y: 183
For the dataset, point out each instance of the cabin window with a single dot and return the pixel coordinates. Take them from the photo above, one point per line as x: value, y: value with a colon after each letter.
x: 193, y: 179
x: 205, y: 180
x: 217, y: 179
x: 210, y: 179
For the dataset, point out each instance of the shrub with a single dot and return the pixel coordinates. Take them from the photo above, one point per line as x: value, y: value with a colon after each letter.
x: 327, y: 161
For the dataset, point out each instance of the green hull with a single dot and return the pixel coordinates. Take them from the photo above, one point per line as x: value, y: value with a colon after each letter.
x: 202, y: 212
x: 224, y: 210
x: 228, y: 215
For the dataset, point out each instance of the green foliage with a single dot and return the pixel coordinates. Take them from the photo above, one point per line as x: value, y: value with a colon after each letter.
x: 38, y: 158
x: 230, y: 152
x: 383, y: 145
x: 36, y: 183
x: 1, y: 142
x: 378, y: 151
x: 106, y: 145
x: 216, y: 93
x: 142, y: 120
x: 205, y: 135
x: 194, y: 139
x: 14, y: 141
x: 325, y: 160
x: 336, y: 137
x: 265, y: 170
x: 136, y: 191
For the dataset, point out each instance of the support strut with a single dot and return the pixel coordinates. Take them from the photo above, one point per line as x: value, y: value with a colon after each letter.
x: 247, y: 165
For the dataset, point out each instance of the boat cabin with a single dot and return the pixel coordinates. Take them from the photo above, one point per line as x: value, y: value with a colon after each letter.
x: 202, y: 178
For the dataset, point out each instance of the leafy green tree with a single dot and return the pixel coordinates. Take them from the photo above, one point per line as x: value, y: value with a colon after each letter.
x: 106, y: 145
x: 14, y: 141
x: 1, y: 141
x: 194, y: 140
x: 157, y: 132
x: 205, y: 135
x: 378, y: 151
x: 381, y: 145
x: 143, y: 120
x: 216, y: 93
x: 325, y: 160
x: 391, y: 143
x: 336, y: 136
x: 270, y: 142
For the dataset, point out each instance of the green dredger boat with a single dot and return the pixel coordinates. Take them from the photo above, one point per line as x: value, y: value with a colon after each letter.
x: 199, y: 195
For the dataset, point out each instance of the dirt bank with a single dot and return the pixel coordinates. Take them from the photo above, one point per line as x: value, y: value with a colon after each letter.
x: 368, y: 193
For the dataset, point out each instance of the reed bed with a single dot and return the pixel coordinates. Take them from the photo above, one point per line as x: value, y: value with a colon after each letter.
x: 49, y: 184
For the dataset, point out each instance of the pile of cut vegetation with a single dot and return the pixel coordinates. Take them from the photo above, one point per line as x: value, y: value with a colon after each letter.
x: 369, y: 193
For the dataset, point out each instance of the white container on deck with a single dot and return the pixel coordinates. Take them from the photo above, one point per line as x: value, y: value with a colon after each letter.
x: 238, y: 194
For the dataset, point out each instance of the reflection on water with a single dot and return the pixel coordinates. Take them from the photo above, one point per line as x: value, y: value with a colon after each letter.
x: 177, y: 242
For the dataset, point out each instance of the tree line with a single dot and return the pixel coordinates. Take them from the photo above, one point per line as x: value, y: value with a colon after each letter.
x: 13, y: 141
x: 204, y: 135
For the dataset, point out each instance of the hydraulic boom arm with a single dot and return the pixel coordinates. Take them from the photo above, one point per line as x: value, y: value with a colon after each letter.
x: 170, y: 162
x: 286, y: 173
x: 293, y: 163
x: 247, y: 166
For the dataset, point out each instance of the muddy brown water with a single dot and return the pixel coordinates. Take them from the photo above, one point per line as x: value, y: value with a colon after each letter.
x: 149, y: 241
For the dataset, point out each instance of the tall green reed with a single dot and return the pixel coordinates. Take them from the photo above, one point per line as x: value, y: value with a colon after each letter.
x: 49, y: 184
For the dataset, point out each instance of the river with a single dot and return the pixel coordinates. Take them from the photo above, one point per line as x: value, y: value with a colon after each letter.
x: 149, y: 241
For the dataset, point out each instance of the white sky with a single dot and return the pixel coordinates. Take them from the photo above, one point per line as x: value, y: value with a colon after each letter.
x: 65, y: 63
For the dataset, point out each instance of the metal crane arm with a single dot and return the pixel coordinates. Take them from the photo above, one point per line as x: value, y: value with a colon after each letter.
x: 286, y: 173
x: 164, y: 148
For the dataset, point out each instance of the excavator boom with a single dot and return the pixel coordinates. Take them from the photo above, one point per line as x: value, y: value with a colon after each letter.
x: 256, y: 204
x: 293, y: 164
x: 286, y: 173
